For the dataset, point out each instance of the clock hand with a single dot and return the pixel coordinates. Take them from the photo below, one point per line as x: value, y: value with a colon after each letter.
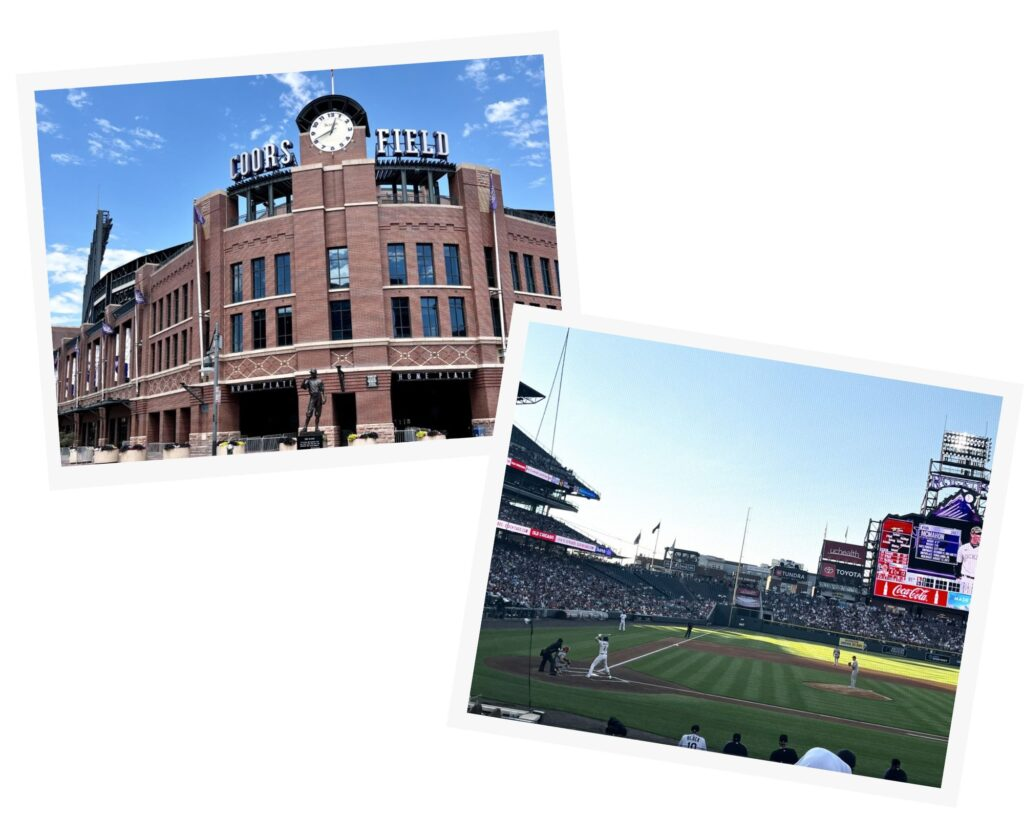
x: 333, y: 126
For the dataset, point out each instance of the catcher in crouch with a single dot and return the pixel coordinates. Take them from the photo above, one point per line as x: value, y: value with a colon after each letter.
x: 602, y: 656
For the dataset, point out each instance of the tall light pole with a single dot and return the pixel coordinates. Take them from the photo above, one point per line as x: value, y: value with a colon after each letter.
x: 739, y: 565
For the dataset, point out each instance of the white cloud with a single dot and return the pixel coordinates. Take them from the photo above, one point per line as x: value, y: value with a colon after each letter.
x: 66, y: 159
x: 66, y: 266
x: 256, y: 133
x: 502, y: 77
x: 47, y: 127
x: 66, y: 308
x: 535, y: 160
x: 468, y: 128
x: 40, y: 108
x: 536, y: 183
x: 505, y: 110
x: 144, y: 138
x: 476, y: 73
x: 301, y: 89
x: 78, y: 99
x: 107, y: 126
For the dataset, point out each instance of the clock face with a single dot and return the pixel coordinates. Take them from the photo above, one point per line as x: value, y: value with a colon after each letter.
x: 331, y: 131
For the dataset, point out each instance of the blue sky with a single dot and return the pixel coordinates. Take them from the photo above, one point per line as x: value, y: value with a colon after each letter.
x: 692, y: 438
x: 145, y: 151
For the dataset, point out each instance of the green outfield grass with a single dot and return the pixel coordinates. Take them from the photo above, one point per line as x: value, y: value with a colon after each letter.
x: 757, y: 680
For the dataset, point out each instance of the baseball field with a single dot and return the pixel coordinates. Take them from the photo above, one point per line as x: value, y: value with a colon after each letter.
x: 731, y: 681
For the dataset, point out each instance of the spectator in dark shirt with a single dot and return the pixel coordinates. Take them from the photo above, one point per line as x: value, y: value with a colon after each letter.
x: 736, y: 748
x: 896, y: 773
x: 784, y: 753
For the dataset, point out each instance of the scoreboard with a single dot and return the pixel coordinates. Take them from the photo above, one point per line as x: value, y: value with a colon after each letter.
x: 917, y: 564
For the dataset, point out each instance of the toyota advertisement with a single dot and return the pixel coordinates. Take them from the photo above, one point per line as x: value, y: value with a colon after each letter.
x: 917, y: 564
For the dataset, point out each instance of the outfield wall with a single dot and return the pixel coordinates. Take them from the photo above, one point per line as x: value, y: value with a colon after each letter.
x: 853, y: 642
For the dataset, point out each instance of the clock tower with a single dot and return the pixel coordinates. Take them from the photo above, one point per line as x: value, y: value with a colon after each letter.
x: 332, y: 129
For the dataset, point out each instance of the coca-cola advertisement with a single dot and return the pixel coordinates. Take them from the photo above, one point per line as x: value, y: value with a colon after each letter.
x: 911, y: 594
x: 843, y: 552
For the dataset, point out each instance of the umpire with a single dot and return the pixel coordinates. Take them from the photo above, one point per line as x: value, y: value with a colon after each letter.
x: 547, y: 656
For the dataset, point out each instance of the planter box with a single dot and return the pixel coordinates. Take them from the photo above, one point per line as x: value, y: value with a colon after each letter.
x: 177, y: 452
x: 230, y: 450
x: 363, y: 442
x: 434, y: 438
x: 283, y: 447
x: 133, y: 455
x: 103, y: 456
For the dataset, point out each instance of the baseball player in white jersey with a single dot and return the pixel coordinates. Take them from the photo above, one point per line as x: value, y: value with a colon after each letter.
x: 835, y: 657
x: 693, y: 740
x: 854, y: 668
x: 602, y: 656
x: 622, y: 621
x: 967, y: 561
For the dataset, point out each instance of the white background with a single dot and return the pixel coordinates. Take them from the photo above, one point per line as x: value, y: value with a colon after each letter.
x: 847, y: 178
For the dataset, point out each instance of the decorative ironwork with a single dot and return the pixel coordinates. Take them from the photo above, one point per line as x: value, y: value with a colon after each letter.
x: 447, y: 355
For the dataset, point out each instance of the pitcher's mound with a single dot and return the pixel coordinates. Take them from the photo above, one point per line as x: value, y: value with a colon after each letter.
x: 846, y: 691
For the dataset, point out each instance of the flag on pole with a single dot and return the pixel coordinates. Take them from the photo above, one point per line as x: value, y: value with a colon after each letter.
x: 140, y: 297
x: 494, y: 195
x: 107, y: 329
x: 637, y: 541
x: 197, y: 215
x: 656, y: 528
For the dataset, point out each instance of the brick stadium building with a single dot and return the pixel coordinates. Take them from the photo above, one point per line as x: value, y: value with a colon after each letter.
x: 394, y: 276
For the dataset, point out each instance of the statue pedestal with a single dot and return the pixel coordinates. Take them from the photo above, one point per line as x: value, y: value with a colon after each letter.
x: 311, y: 440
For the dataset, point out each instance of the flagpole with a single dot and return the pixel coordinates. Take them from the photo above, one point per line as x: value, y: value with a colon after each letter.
x: 199, y: 284
x: 657, y: 537
x: 497, y: 264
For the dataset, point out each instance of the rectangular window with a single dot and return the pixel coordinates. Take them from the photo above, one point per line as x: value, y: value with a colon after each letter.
x: 396, y: 264
x: 492, y: 280
x: 495, y: 316
x: 159, y: 356
x: 400, y: 318
x: 168, y: 310
x: 174, y: 350
x: 337, y: 266
x: 425, y: 263
x: 558, y: 278
x: 154, y: 328
x: 545, y: 276
x: 236, y: 281
x: 283, y: 273
x: 184, y: 346
x: 259, y: 329
x: 236, y: 333
x: 259, y: 278
x: 513, y: 261
x: 452, y: 272
x: 531, y: 283
x: 177, y: 295
x: 341, y: 320
x: 185, y: 311
x: 457, y: 308
x: 284, y: 326
x: 428, y: 310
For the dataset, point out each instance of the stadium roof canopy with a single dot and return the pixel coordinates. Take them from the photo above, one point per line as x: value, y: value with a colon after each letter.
x: 528, y: 395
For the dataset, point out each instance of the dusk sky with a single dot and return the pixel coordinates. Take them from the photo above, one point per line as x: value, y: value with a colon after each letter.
x: 692, y: 438
x: 145, y: 151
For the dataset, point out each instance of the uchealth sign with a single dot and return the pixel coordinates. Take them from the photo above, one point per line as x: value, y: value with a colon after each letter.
x: 843, y: 552
x: 911, y: 594
x: 270, y: 157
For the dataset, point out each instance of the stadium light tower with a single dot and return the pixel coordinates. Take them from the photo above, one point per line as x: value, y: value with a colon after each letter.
x: 962, y: 468
x: 739, y: 566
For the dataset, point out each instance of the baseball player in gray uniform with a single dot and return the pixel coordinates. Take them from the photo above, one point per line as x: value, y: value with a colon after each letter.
x: 967, y: 561
x: 835, y: 657
x: 854, y: 668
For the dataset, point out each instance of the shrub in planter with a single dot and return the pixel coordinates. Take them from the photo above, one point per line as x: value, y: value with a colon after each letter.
x: 105, y: 454
x: 288, y: 444
x: 436, y: 435
x: 232, y: 447
x: 172, y: 451
x: 133, y: 452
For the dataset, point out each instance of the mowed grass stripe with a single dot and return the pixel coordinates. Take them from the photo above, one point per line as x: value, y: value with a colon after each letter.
x: 745, y: 679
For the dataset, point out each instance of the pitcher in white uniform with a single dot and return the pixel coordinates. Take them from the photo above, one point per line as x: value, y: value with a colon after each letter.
x: 622, y: 621
x: 602, y: 656
x: 854, y: 669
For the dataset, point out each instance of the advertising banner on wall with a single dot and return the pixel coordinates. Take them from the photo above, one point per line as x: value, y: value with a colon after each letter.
x: 844, y: 574
x: 843, y: 552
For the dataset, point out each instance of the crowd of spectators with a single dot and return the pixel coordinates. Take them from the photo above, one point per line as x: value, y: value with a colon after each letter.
x: 543, y: 578
x: 879, y: 622
x: 523, y: 448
